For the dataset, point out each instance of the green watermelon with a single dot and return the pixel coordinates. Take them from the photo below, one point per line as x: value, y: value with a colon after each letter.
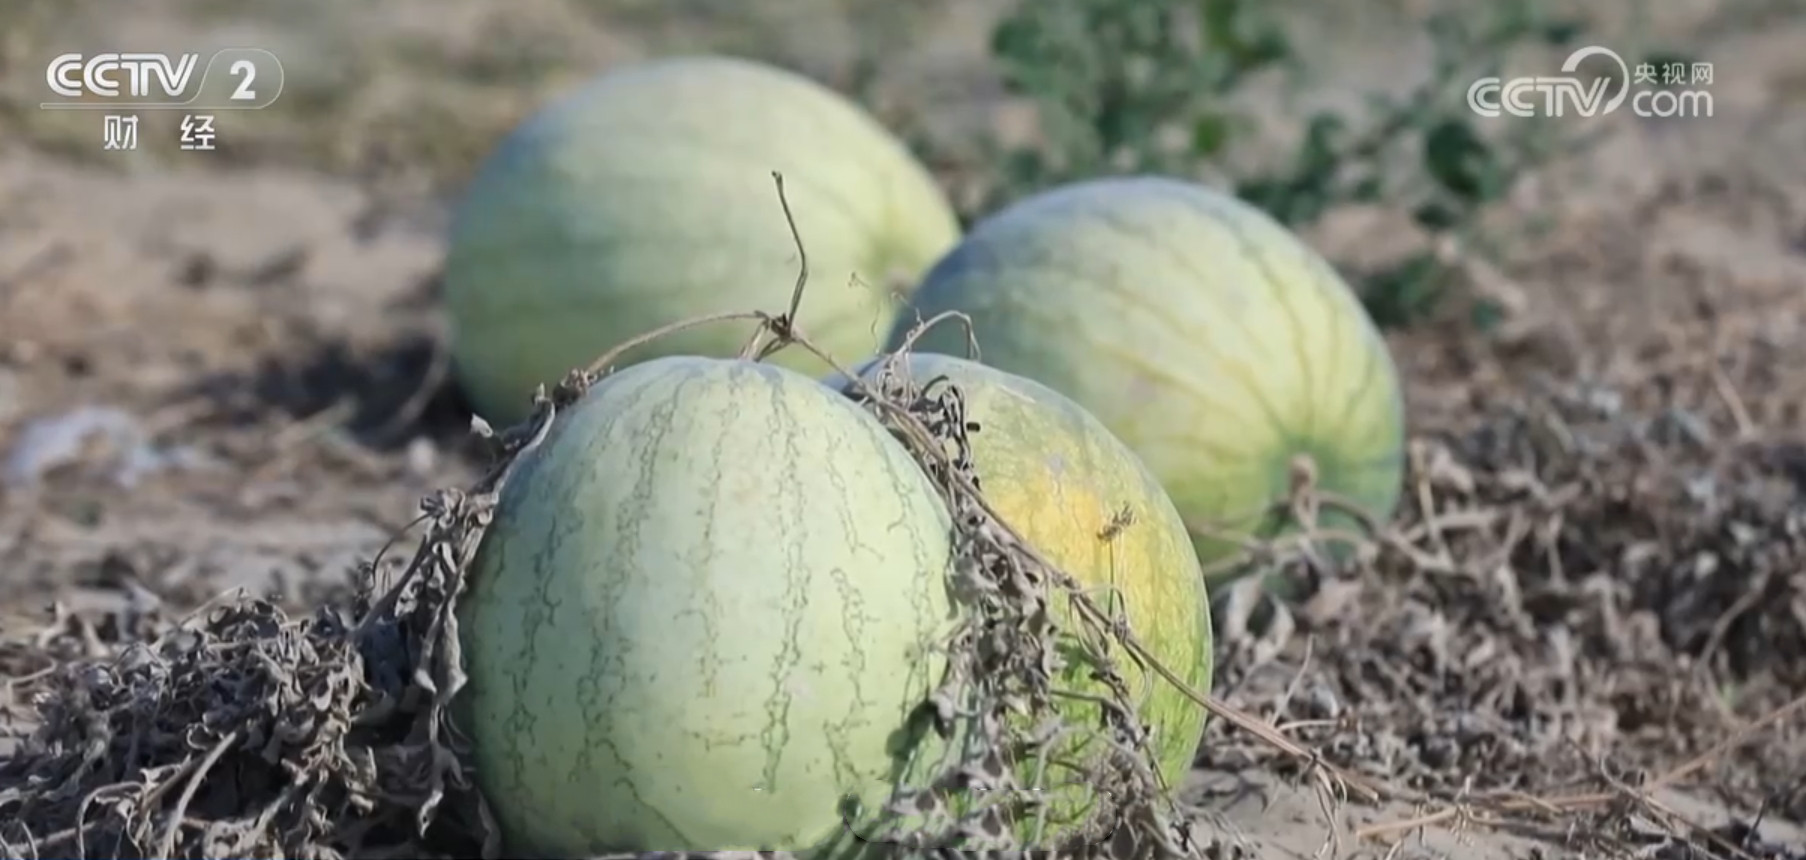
x: 646, y: 197
x: 1211, y: 340
x: 1082, y: 499
x: 702, y: 617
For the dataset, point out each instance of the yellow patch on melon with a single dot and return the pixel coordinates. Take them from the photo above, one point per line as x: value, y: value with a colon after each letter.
x: 1088, y: 505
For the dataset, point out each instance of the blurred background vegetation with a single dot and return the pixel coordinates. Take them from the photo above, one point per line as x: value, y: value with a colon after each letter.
x: 1304, y: 109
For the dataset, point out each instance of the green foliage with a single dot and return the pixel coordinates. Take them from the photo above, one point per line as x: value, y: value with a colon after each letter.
x: 1110, y: 75
x: 1130, y: 86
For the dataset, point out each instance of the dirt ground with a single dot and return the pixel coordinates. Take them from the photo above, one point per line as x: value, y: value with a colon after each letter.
x: 1584, y: 637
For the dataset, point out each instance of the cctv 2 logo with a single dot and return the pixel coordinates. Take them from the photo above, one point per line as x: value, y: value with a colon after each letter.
x: 233, y: 79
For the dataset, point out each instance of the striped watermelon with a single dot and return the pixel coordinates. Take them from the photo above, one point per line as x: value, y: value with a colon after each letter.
x: 646, y: 198
x: 1206, y: 336
x: 704, y: 611
x: 1082, y: 499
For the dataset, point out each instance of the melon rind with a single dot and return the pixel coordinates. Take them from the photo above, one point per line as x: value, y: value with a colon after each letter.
x: 1056, y: 475
x: 1210, y: 339
x: 701, y: 616
x: 645, y: 197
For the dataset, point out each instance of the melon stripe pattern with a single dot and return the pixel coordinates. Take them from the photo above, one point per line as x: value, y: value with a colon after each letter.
x: 646, y: 197
x: 1210, y: 339
x: 702, y: 616
x: 1082, y: 499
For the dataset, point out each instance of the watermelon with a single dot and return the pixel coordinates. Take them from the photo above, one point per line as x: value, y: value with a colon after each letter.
x: 1211, y: 340
x: 702, y: 616
x: 646, y: 197
x: 1081, y: 498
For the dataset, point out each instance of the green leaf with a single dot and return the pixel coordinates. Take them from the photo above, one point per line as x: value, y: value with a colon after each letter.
x: 1209, y: 134
x: 1561, y: 33
x: 1436, y: 215
x: 1406, y: 293
x: 1462, y: 162
x: 1487, y: 316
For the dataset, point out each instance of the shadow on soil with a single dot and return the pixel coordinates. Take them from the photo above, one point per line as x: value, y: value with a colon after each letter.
x: 383, y: 396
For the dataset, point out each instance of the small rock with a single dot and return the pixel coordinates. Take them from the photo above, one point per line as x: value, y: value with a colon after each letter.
x: 422, y: 457
x: 49, y: 443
